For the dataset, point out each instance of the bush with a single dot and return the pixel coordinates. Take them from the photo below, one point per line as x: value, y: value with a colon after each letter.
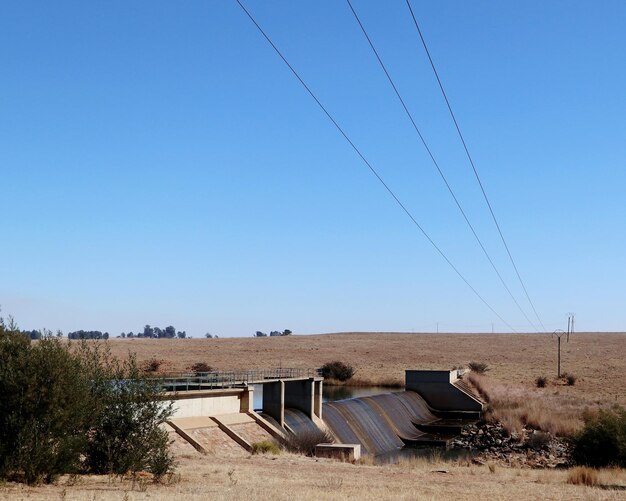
x: 76, y: 409
x: 127, y: 434
x: 541, y: 381
x: 582, y: 475
x: 152, y: 365
x: 305, y: 442
x: 602, y: 441
x: 265, y: 447
x: 478, y: 367
x: 337, y: 370
x: 570, y: 379
x: 45, y: 409
x: 200, y: 368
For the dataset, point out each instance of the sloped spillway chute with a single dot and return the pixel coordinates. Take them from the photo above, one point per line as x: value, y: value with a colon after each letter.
x: 417, y: 407
x: 380, y: 423
x: 350, y: 419
x: 298, y: 422
x: 396, y: 414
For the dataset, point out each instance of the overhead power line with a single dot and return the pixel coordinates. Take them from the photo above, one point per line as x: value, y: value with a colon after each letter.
x: 471, y: 161
x: 370, y: 167
x: 436, y: 164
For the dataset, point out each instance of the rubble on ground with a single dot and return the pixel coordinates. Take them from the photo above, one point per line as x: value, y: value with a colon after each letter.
x: 491, y: 442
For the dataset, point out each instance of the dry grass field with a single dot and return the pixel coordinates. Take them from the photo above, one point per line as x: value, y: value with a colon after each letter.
x: 598, y: 360
x: 288, y: 477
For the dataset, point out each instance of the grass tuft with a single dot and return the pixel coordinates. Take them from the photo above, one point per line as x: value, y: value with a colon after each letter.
x: 582, y: 475
x: 265, y: 447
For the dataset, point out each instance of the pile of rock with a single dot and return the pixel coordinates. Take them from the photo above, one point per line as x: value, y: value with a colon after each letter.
x: 490, y: 442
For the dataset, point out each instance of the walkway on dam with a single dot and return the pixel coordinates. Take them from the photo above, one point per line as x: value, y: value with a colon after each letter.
x: 189, y: 381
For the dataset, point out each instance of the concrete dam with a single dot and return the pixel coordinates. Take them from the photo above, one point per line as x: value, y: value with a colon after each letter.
x: 429, y: 412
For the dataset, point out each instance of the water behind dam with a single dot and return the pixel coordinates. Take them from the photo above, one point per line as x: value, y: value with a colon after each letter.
x: 331, y: 393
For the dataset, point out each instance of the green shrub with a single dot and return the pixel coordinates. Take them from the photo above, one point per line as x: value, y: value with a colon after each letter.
x: 45, y: 409
x: 478, y: 367
x: 305, y: 442
x: 602, y: 441
x: 336, y: 370
x: 265, y: 447
x: 541, y: 381
x: 76, y: 409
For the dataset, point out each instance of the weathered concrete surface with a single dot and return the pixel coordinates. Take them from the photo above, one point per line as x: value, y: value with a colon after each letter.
x: 207, y: 403
x: 437, y: 388
x: 343, y: 452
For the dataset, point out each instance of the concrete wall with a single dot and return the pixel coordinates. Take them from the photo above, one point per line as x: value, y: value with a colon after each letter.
x: 437, y: 389
x: 209, y: 403
x: 299, y: 395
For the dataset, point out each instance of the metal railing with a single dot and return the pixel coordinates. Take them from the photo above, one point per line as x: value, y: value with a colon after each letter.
x: 187, y: 381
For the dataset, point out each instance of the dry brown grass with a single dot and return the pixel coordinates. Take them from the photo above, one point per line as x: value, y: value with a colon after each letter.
x: 290, y: 477
x: 582, y: 475
x: 516, y: 406
x: 515, y: 359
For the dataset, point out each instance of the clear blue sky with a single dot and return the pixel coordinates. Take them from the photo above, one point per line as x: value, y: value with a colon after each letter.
x: 159, y: 164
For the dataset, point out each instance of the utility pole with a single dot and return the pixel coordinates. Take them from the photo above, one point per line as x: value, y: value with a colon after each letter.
x: 559, y: 333
x: 437, y: 327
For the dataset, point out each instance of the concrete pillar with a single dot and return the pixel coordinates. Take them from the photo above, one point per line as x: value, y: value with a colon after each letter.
x: 274, y: 400
x: 246, y: 400
x: 317, y: 399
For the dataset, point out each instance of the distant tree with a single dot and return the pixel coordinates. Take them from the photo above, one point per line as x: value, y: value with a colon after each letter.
x: 123, y: 335
x: 181, y: 334
x: 59, y: 333
x: 130, y: 334
x: 275, y: 333
x: 147, y: 331
x: 208, y: 335
x: 170, y: 332
x: 105, y: 335
x: 260, y: 334
x: 286, y: 332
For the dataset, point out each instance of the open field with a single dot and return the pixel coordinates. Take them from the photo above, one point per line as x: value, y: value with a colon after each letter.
x: 598, y: 360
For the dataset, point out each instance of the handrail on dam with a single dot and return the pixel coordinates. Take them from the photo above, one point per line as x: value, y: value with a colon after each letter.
x: 185, y: 381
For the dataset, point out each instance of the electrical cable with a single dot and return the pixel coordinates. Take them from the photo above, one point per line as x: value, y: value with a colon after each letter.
x: 436, y: 164
x: 371, y: 168
x: 458, y: 129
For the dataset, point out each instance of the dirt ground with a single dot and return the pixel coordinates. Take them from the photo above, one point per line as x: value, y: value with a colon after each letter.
x: 598, y: 360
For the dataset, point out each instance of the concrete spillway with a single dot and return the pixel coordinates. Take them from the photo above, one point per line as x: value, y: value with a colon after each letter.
x: 381, y: 423
x: 431, y: 412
